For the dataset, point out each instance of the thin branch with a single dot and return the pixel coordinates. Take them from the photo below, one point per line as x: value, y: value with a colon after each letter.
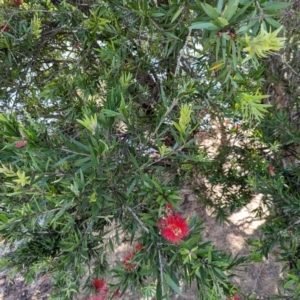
x: 291, y: 68
x: 161, y: 272
x: 258, y: 277
x: 174, y: 103
x: 182, y: 52
x: 137, y: 218
x: 69, y: 151
x: 174, y: 26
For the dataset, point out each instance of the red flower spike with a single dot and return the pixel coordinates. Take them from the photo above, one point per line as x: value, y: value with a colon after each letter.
x: 173, y: 228
x: 20, y: 144
x: 126, y: 261
x: 235, y: 297
x: 100, y: 285
x: 138, y: 247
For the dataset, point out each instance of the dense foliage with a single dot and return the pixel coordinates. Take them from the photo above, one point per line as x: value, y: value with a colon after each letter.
x: 104, y: 103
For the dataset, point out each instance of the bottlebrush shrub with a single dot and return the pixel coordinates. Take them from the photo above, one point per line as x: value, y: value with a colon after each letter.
x: 74, y: 217
x: 102, y: 107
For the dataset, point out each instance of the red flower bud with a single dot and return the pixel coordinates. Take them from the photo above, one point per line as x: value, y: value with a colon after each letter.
x: 20, y: 144
x: 126, y: 261
x: 138, y: 247
x: 100, y: 285
x: 18, y: 2
x: 271, y: 170
x: 169, y: 206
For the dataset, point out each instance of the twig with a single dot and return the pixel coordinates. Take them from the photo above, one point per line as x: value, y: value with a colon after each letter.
x: 258, y: 276
x: 291, y: 68
x: 69, y: 151
x: 137, y: 218
x: 174, y: 103
x: 174, y: 26
x: 182, y: 52
x: 161, y: 273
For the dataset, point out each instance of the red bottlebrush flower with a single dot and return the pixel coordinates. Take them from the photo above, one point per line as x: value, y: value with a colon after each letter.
x: 138, y: 247
x: 173, y: 228
x: 100, y: 285
x: 235, y: 297
x: 20, y: 144
x: 126, y: 261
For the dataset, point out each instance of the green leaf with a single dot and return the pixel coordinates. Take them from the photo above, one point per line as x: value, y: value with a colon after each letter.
x: 61, y: 161
x: 163, y: 96
x: 178, y: 127
x: 171, y: 35
x: 273, y: 22
x: 230, y: 9
x: 193, y: 240
x: 204, y: 25
x: 210, y: 11
x: 176, y: 15
x: 172, y: 284
x: 288, y: 284
x: 220, y: 22
x: 3, y: 218
x: 220, y: 5
x: 209, y: 256
x: 22, y: 178
x: 241, y: 13
x: 276, y: 5
x: 158, y: 14
x: 174, y: 197
x: 234, y: 58
x: 89, y: 122
x: 80, y: 145
x: 110, y: 113
x: 131, y: 187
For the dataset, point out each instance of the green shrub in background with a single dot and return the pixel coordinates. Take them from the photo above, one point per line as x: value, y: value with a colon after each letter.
x: 102, y: 102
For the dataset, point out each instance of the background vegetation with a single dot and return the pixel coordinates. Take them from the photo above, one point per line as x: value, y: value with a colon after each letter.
x: 102, y: 104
